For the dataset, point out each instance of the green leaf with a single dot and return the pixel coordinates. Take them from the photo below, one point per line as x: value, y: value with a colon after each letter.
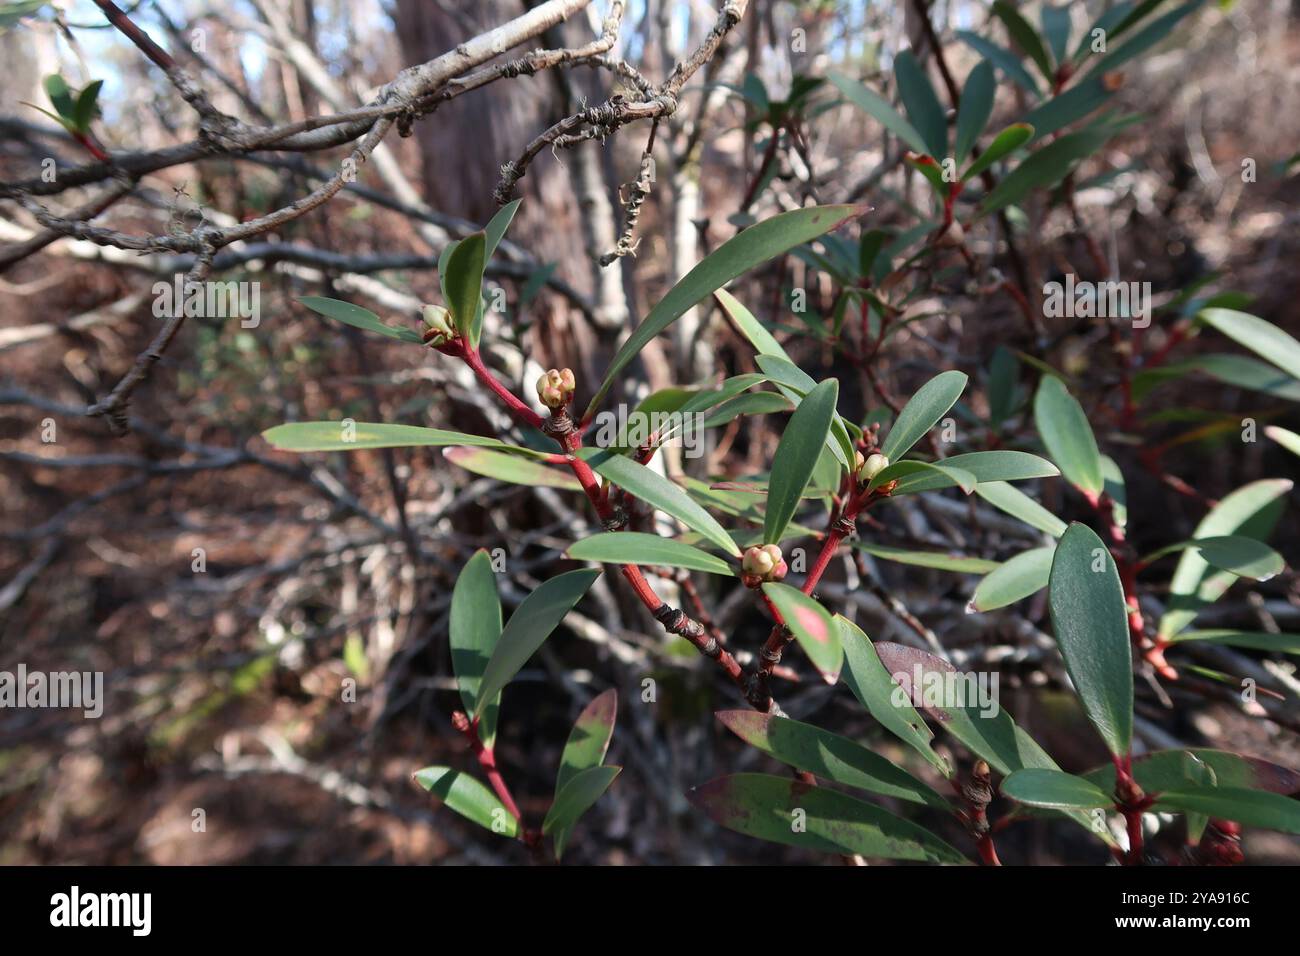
x: 1091, y: 624
x: 750, y: 327
x: 976, y: 107
x: 475, y: 627
x: 1255, y: 640
x: 930, y: 403
x: 1054, y: 790
x: 923, y: 108
x: 737, y: 255
x: 782, y: 810
x: 983, y: 466
x: 469, y: 798
x: 754, y: 403
x: 828, y: 755
x: 927, y: 559
x: 812, y: 627
x: 1166, y: 770
x: 796, y: 456
x: 871, y: 684
x: 656, y: 490
x: 1045, y: 167
x: 1056, y: 28
x: 879, y: 109
x: 914, y: 476
x: 585, y: 749
x: 1242, y: 556
x: 634, y: 547
x: 1252, y: 808
x: 1252, y: 511
x: 1025, y: 36
x: 1236, y: 370
x: 575, y: 798
x: 1065, y: 431
x: 87, y: 105
x: 530, y: 625
x: 1005, y: 143
x: 1112, y: 480
x: 56, y: 88
x: 794, y: 383
x: 1074, y: 104
x: 463, y: 282
x: 342, y: 436
x: 1145, y: 38
x: 496, y: 228
x: 1014, y: 580
x: 358, y: 317
x: 1016, y: 503
x: 1263, y: 338
x: 1004, y: 371
x: 1002, y: 58
x: 511, y: 469
x: 1287, y: 439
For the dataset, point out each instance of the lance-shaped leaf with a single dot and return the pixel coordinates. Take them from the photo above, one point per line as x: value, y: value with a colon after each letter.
x: 463, y: 281
x: 576, y: 797
x: 1065, y: 431
x: 879, y: 109
x: 1287, y: 439
x: 358, y: 317
x: 471, y: 799
x: 1252, y: 511
x: 1054, y: 790
x: 1088, y: 614
x: 355, y: 436
x: 530, y: 625
x: 827, y: 755
x: 982, y: 466
x: 914, y: 476
x: 656, y: 490
x: 1016, y: 503
x: 635, y: 547
x: 812, y: 627
x: 1014, y: 580
x: 737, y: 255
x: 475, y: 628
x: 1075, y: 103
x: 794, y: 383
x: 585, y: 749
x: 1056, y: 29
x: 782, y: 810
x: 755, y: 403
x: 496, y: 228
x: 1045, y: 167
x: 749, y: 326
x: 87, y: 105
x: 1004, y: 144
x: 976, y: 107
x: 1145, y: 38
x: 1263, y: 338
x: 1252, y: 808
x: 56, y: 88
x: 1002, y: 58
x: 1025, y: 37
x: 1234, y: 553
x: 510, y: 468
x: 1166, y: 770
x: 796, y: 456
x: 930, y: 403
x: 940, y: 561
x: 1254, y: 640
x: 923, y: 107
x: 871, y: 684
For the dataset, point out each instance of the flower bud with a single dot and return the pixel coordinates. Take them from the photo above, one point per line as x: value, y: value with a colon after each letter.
x: 873, y: 466
x: 858, y: 461
x: 953, y: 236
x: 439, y: 329
x: 555, y: 388
x: 760, y: 564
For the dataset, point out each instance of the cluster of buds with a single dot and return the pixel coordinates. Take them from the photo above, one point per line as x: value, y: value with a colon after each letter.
x: 761, y: 564
x: 870, y: 465
x: 555, y: 388
x: 439, y: 331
